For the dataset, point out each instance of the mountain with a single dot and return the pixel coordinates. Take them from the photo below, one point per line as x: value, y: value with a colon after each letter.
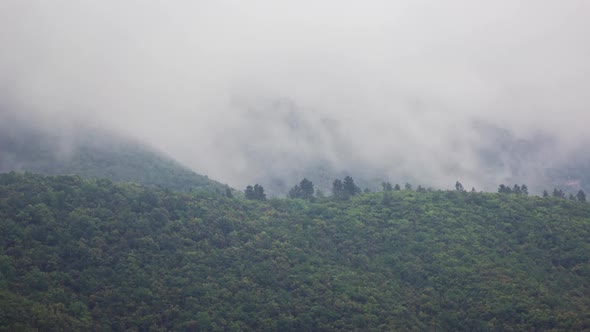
x: 278, y: 142
x: 81, y: 254
x: 91, y: 153
x: 540, y: 161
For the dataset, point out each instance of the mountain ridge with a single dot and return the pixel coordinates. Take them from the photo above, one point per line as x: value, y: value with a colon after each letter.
x: 92, y: 153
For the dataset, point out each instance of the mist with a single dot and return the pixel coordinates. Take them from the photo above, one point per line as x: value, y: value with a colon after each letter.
x: 251, y: 91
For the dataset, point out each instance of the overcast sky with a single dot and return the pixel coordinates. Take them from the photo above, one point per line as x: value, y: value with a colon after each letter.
x: 393, y: 84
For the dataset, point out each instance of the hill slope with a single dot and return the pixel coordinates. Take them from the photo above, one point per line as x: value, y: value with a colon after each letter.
x: 77, y: 254
x: 92, y: 153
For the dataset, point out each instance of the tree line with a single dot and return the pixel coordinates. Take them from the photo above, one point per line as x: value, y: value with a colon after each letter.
x: 346, y: 188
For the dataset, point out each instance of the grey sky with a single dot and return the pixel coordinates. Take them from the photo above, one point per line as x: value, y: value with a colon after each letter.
x: 394, y: 84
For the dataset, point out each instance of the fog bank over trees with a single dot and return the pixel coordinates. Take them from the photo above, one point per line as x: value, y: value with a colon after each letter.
x: 271, y: 92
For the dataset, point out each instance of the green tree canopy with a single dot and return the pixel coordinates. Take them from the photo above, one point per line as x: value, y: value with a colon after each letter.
x: 350, y: 187
x: 255, y: 193
x: 304, y: 190
x: 93, y: 255
x: 581, y: 196
x: 387, y: 186
x: 459, y: 187
x: 259, y: 193
x: 558, y: 193
x: 338, y: 189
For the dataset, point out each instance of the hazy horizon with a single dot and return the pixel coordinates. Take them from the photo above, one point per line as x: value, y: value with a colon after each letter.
x: 243, y: 91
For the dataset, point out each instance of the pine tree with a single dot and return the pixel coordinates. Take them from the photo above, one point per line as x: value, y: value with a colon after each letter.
x: 255, y: 193
x: 337, y: 189
x: 295, y: 192
x: 228, y: 193
x: 350, y: 187
x: 459, y: 187
x: 581, y: 196
x: 304, y: 190
x: 307, y: 189
x: 259, y: 193
x: 558, y: 193
x: 387, y: 186
x: 516, y: 189
x: 249, y: 192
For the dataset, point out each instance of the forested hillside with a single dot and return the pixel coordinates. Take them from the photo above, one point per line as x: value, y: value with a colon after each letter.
x: 93, y: 255
x: 92, y: 153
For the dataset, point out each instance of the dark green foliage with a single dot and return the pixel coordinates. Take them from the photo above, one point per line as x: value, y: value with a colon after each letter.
x: 516, y: 189
x: 319, y: 193
x: 295, y: 192
x: 349, y: 187
x: 344, y: 190
x: 304, y: 190
x: 387, y: 198
x: 18, y: 313
x: 581, y: 196
x: 259, y: 193
x: 255, y: 193
x: 338, y: 189
x: 558, y: 193
x: 249, y: 192
x: 387, y: 186
x: 79, y: 255
x: 408, y: 186
x: 92, y: 153
x: 502, y: 189
x: 307, y: 189
x: 545, y: 193
x: 397, y: 187
x: 459, y: 187
x: 228, y: 193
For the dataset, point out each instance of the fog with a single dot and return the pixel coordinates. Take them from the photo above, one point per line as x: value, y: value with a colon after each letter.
x: 245, y: 91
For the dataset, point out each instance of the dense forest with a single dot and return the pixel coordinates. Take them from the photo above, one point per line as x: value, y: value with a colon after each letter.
x: 93, y: 153
x: 80, y: 254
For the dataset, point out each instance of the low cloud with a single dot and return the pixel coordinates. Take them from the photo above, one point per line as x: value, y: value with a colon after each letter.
x: 245, y: 92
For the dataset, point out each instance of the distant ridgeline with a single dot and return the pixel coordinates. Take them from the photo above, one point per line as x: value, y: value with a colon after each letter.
x: 538, y: 159
x: 93, y: 154
x: 78, y: 255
